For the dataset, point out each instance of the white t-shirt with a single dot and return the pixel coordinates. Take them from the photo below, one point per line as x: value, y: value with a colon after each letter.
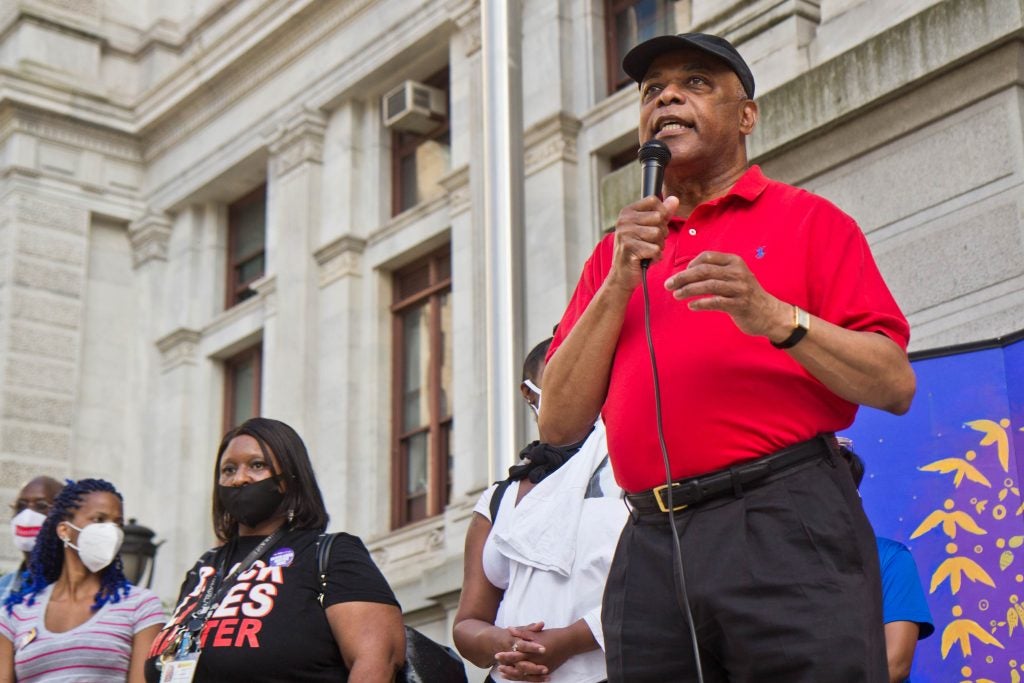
x: 533, y: 593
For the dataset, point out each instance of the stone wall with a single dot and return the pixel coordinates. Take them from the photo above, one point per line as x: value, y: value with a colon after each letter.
x: 126, y: 128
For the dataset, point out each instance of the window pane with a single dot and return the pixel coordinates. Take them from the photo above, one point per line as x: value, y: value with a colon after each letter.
x: 250, y: 270
x: 423, y: 388
x: 420, y: 170
x: 446, y: 355
x: 416, y: 364
x: 634, y: 24
x: 618, y: 189
x: 249, y: 224
x: 407, y: 182
x: 416, y: 508
x: 433, y: 160
x: 247, y: 219
x: 444, y: 266
x: 412, y: 281
x: 416, y: 464
x: 650, y: 18
x: 243, y: 392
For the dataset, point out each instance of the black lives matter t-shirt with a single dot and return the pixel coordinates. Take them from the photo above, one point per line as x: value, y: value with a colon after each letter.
x: 269, y: 625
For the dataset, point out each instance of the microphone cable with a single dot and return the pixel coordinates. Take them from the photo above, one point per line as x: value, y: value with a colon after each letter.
x: 677, y: 551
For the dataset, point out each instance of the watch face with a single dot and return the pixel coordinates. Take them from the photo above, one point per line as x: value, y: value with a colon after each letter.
x: 803, y: 319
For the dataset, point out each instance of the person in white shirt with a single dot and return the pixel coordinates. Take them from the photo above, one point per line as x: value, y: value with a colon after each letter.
x: 537, y: 555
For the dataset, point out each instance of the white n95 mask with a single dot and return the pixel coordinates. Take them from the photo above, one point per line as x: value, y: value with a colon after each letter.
x: 25, y: 527
x: 98, y: 544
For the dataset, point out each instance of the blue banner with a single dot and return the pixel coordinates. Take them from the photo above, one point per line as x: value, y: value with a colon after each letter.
x: 945, y: 480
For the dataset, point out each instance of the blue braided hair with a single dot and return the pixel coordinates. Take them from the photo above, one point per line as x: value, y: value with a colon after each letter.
x: 47, y: 559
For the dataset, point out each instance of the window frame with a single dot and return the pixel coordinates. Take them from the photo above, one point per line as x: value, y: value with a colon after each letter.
x: 234, y: 294
x: 405, y: 144
x: 613, y: 60
x: 254, y: 355
x: 438, y: 427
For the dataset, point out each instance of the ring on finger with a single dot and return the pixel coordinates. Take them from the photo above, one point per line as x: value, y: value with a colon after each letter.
x: 515, y: 646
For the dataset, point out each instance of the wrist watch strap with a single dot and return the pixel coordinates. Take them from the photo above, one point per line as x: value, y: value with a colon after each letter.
x: 801, y: 324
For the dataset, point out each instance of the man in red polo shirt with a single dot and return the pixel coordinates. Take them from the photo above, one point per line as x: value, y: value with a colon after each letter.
x: 771, y: 324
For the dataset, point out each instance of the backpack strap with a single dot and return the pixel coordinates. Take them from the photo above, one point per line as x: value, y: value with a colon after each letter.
x: 499, y: 493
x: 323, y: 558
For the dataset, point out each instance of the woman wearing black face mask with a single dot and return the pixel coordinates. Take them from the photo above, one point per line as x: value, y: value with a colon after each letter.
x: 250, y: 610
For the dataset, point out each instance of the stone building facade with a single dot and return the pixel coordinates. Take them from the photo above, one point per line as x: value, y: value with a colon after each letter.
x: 207, y: 212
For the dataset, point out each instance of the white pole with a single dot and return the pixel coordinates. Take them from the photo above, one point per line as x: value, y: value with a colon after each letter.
x: 501, y: 40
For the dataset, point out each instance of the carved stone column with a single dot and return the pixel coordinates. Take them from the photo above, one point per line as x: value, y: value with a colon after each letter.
x: 339, y: 401
x: 293, y: 226
x: 465, y: 209
x: 150, y: 236
x: 551, y: 178
x: 177, y: 461
x: 43, y: 258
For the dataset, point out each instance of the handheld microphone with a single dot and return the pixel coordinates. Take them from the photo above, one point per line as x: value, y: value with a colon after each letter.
x: 653, y: 156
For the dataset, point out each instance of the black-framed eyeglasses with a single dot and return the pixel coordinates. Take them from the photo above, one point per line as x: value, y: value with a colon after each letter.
x: 40, y: 506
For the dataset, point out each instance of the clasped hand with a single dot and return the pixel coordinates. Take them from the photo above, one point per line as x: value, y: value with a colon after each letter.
x: 537, y: 652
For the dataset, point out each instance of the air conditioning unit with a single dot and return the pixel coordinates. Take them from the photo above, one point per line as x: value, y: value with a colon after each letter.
x: 414, y: 107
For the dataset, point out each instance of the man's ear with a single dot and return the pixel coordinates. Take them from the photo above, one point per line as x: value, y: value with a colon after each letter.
x: 748, y: 116
x: 525, y: 391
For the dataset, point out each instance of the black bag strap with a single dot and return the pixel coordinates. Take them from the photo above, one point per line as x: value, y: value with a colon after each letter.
x: 499, y: 493
x: 323, y: 558
x: 440, y: 664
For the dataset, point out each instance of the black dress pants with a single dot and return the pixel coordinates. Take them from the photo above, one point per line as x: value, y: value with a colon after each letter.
x: 783, y: 582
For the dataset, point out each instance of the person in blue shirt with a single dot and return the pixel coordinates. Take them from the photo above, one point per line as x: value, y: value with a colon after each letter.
x: 904, y: 609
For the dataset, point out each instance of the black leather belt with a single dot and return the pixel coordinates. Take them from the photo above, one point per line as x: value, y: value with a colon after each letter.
x: 734, y: 480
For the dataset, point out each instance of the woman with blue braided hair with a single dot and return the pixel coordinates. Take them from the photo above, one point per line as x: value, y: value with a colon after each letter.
x: 75, y: 617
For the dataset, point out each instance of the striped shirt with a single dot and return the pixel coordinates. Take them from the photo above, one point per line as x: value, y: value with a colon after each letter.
x: 96, y: 651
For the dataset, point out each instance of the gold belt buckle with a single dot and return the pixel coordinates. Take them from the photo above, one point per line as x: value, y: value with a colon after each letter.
x: 661, y: 504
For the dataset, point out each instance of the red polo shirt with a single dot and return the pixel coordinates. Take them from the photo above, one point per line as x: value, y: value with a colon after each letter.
x: 727, y: 396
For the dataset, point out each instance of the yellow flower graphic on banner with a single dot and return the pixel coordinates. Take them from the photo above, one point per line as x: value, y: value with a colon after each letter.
x: 995, y: 433
x: 961, y: 466
x: 960, y: 631
x: 955, y: 568
x: 949, y: 521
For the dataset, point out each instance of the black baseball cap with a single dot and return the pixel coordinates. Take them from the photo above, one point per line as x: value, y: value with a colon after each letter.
x: 638, y: 60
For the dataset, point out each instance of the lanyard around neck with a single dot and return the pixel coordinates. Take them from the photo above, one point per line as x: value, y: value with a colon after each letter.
x: 216, y: 589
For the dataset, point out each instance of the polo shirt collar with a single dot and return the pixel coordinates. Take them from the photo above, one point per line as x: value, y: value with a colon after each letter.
x: 750, y: 185
x: 748, y: 188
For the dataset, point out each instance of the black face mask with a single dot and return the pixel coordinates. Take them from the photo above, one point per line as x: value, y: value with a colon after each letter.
x: 252, y: 503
